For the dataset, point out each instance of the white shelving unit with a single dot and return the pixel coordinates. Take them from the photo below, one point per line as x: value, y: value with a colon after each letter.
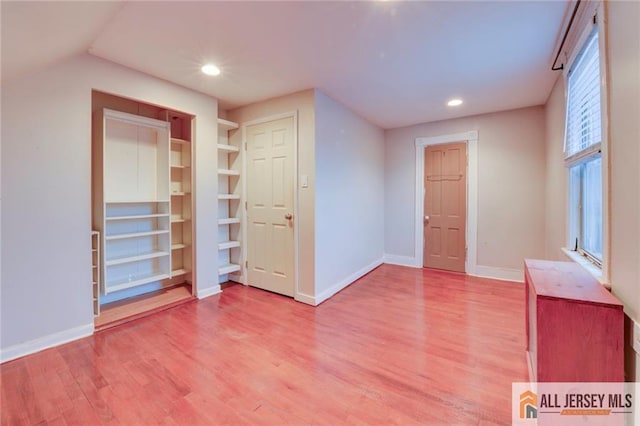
x: 181, y: 198
x: 137, y: 249
x: 229, y: 200
x: 95, y: 271
x: 131, y: 200
x: 142, y: 203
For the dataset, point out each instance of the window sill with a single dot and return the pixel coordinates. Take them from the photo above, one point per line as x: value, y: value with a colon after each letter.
x: 587, y: 265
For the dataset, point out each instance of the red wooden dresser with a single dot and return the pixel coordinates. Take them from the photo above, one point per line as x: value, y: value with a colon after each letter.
x: 575, y: 327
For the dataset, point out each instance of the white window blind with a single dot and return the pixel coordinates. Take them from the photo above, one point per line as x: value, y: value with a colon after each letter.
x: 583, y: 99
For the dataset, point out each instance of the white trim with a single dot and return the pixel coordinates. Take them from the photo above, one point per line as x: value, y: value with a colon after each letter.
x: 136, y: 120
x: 346, y: 282
x: 294, y: 115
x: 601, y: 24
x: 305, y: 298
x: 601, y: 17
x: 209, y: 291
x: 393, y: 259
x: 502, y: 274
x: 471, y: 138
x: 590, y: 267
x: 48, y: 341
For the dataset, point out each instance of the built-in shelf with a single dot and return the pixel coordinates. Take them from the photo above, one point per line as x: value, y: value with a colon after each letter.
x: 227, y: 147
x: 134, y: 281
x: 95, y: 271
x: 181, y: 161
x: 135, y: 217
x: 228, y: 269
x: 130, y: 259
x: 138, y: 161
x: 141, y: 201
x: 228, y: 172
x: 223, y: 245
x: 230, y: 184
x: 135, y: 235
x: 226, y: 124
x: 228, y: 196
x: 228, y: 220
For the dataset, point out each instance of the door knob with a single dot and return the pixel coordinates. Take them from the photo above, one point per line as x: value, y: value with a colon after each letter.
x: 426, y: 219
x: 288, y: 216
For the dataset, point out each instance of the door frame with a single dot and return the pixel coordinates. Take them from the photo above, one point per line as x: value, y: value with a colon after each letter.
x: 243, y: 199
x: 471, y: 237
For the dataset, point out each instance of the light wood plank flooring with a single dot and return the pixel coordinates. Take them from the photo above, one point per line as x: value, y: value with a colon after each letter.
x: 399, y: 346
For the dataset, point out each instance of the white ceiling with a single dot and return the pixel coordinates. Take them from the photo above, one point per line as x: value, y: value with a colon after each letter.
x: 395, y: 63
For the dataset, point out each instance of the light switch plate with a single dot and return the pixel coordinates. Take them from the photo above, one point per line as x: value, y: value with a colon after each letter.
x: 304, y: 181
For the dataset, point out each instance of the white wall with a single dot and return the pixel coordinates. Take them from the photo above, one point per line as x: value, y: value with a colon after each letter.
x: 46, y: 186
x: 302, y: 102
x: 511, y: 189
x: 624, y: 101
x: 349, y: 196
x: 623, y: 51
x: 331, y: 253
x: 556, y: 174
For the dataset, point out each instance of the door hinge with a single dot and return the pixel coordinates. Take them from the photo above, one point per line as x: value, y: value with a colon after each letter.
x: 466, y: 251
x: 245, y: 206
x: 246, y: 264
x: 245, y: 146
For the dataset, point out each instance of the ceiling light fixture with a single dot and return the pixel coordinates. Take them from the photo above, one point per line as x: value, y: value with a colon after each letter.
x: 210, y: 69
x: 454, y: 102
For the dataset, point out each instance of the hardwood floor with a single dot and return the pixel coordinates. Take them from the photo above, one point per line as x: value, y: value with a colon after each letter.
x: 399, y: 346
x: 133, y: 308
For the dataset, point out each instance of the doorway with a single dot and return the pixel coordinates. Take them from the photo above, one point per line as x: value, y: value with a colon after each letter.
x: 445, y: 206
x: 270, y: 165
x: 470, y: 138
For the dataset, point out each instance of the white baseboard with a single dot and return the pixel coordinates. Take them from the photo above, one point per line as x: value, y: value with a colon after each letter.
x: 345, y: 282
x: 393, y: 259
x: 504, y: 274
x: 209, y: 291
x: 305, y: 298
x: 49, y: 341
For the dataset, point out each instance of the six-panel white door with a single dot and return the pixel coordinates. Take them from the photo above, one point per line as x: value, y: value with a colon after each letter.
x: 270, y: 167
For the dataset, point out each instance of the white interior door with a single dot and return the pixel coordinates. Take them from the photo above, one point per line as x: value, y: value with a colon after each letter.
x: 270, y: 185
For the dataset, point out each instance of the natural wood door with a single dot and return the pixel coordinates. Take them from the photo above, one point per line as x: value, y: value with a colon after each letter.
x: 445, y: 206
x: 270, y: 250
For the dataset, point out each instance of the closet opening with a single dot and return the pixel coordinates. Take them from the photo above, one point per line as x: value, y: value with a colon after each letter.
x: 142, y: 209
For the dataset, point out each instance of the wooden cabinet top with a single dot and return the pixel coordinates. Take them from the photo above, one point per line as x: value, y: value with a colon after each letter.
x: 566, y: 280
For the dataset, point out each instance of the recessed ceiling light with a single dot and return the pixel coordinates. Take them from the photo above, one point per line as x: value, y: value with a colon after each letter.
x: 210, y: 69
x: 454, y: 102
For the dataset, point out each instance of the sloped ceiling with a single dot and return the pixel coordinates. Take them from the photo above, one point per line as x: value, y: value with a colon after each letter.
x: 395, y: 63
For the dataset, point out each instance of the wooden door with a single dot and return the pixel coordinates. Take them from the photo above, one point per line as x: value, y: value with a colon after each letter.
x: 270, y: 245
x: 445, y: 206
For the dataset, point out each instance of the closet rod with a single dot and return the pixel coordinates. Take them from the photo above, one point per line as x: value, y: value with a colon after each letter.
x: 566, y: 33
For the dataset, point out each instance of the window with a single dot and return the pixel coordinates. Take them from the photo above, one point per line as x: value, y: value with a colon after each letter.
x: 583, y: 156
